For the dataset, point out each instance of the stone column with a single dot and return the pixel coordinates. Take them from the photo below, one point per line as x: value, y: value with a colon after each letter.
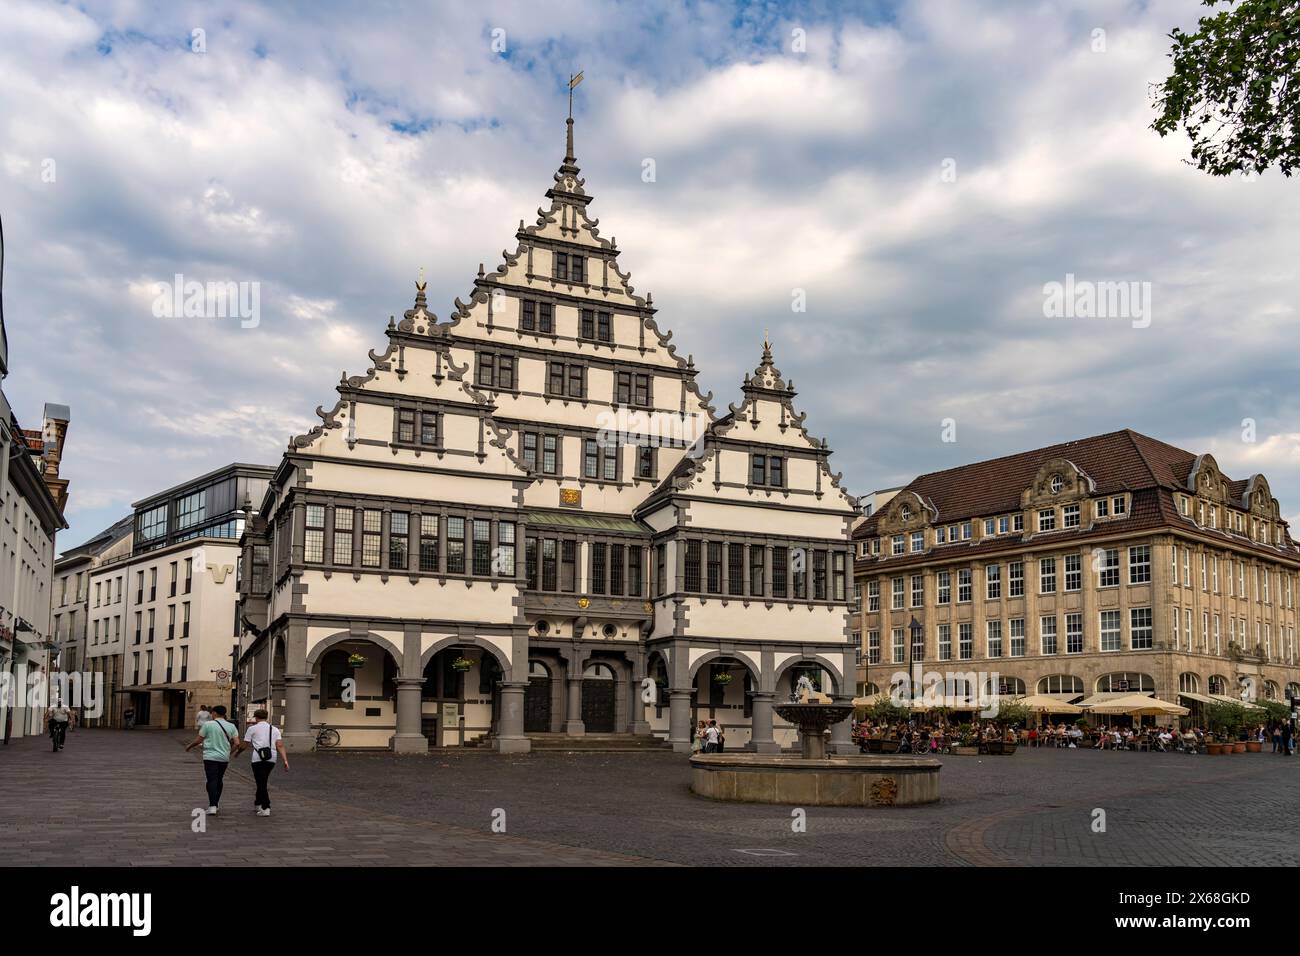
x: 760, y: 740
x: 409, y: 739
x: 636, y: 722
x: 573, y: 725
x: 511, y: 739
x: 297, y: 731
x: 679, y: 719
x: 842, y: 733
x: 275, y: 702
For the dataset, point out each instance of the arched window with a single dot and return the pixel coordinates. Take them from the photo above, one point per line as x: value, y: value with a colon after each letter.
x: 1189, y: 683
x: 1005, y: 687
x: 1270, y: 690
x: 1292, y: 690
x: 1126, y: 682
x: 538, y: 669
x: 1218, y: 684
x: 1060, y: 684
x: 815, y: 673
x: 597, y: 671
x: 871, y: 689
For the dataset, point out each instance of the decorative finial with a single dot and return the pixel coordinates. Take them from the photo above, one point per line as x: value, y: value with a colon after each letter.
x: 419, y: 281
x: 569, y: 159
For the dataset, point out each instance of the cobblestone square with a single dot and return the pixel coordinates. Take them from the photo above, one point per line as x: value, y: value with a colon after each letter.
x: 126, y: 799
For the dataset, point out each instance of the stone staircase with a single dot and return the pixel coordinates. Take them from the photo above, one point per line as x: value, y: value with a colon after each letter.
x: 599, y: 743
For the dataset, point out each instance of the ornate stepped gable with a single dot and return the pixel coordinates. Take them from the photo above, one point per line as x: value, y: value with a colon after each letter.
x: 765, y: 421
x: 442, y: 362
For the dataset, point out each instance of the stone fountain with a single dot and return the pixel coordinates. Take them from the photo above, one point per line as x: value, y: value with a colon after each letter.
x: 812, y: 778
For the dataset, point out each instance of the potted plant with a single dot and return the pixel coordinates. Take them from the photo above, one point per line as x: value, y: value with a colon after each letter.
x: 462, y: 664
x: 1226, y: 720
x: 722, y: 678
x: 356, y: 660
x: 1009, y: 715
x: 968, y: 744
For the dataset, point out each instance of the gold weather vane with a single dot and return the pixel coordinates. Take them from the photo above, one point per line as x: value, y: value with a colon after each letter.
x: 574, y: 80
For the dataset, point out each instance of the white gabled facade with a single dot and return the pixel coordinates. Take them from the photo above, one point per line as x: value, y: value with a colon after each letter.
x: 519, y: 521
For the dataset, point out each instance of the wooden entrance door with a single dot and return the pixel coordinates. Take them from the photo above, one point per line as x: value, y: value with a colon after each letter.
x: 537, y: 700
x: 598, y: 689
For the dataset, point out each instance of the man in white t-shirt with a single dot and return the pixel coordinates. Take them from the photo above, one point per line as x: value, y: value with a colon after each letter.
x: 265, y: 740
x: 203, y: 717
x: 711, y: 737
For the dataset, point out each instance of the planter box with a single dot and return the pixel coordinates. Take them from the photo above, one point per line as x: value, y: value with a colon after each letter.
x: 1253, y: 746
x: 1214, y: 749
x: 1239, y: 747
x: 1003, y: 747
x: 966, y: 751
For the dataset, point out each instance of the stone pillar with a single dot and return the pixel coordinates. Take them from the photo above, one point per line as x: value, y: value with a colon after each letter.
x: 275, y: 702
x: 636, y: 722
x: 679, y: 719
x: 573, y: 725
x: 842, y: 733
x: 511, y: 739
x: 409, y: 739
x: 297, y: 731
x: 760, y: 740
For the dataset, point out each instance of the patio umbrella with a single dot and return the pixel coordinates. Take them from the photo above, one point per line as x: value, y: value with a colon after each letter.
x: 1138, y: 705
x: 1047, y: 704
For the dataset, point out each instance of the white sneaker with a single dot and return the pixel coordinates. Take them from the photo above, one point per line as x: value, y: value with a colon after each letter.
x: 264, y: 813
x: 212, y: 811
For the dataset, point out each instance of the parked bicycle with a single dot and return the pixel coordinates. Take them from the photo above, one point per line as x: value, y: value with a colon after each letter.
x: 326, y: 736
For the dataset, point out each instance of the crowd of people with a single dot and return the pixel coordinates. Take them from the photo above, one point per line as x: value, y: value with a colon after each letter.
x: 919, y: 736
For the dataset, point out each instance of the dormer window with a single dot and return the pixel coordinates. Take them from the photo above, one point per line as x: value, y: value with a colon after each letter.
x: 905, y: 513
x: 1119, y: 505
x: 570, y: 268
x: 767, y: 470
x: 596, y: 326
x: 1057, y: 484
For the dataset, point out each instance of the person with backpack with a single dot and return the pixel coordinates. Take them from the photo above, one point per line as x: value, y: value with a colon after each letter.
x: 265, y: 740
x: 217, y: 737
x: 60, y: 716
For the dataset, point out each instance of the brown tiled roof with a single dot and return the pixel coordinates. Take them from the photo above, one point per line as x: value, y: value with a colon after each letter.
x: 1117, y: 461
x: 1151, y: 470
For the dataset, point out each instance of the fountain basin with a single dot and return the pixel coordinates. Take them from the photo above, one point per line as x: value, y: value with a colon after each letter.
x: 827, y: 782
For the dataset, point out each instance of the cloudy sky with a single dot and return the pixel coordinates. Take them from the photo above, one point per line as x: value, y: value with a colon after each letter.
x: 918, y: 171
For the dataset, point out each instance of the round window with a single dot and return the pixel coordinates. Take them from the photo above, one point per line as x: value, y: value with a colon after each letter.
x: 543, y: 627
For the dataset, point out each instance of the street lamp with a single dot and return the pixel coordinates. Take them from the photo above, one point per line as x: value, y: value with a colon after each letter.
x: 916, y: 635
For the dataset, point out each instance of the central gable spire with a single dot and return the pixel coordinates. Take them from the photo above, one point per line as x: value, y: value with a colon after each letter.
x: 568, y: 187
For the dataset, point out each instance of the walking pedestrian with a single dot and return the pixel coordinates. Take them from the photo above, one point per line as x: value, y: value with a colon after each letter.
x: 265, y: 740
x: 203, y: 717
x: 60, y: 716
x: 217, y: 737
x: 128, y: 718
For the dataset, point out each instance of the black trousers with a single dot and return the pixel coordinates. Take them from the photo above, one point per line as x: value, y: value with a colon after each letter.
x: 262, y: 773
x: 215, y: 771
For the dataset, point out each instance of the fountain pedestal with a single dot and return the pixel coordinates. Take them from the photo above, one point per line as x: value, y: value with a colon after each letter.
x: 813, y: 778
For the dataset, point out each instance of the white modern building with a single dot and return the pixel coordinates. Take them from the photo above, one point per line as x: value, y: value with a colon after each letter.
x: 163, y: 615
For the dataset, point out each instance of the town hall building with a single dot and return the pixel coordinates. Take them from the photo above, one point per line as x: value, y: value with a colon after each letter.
x: 525, y: 523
